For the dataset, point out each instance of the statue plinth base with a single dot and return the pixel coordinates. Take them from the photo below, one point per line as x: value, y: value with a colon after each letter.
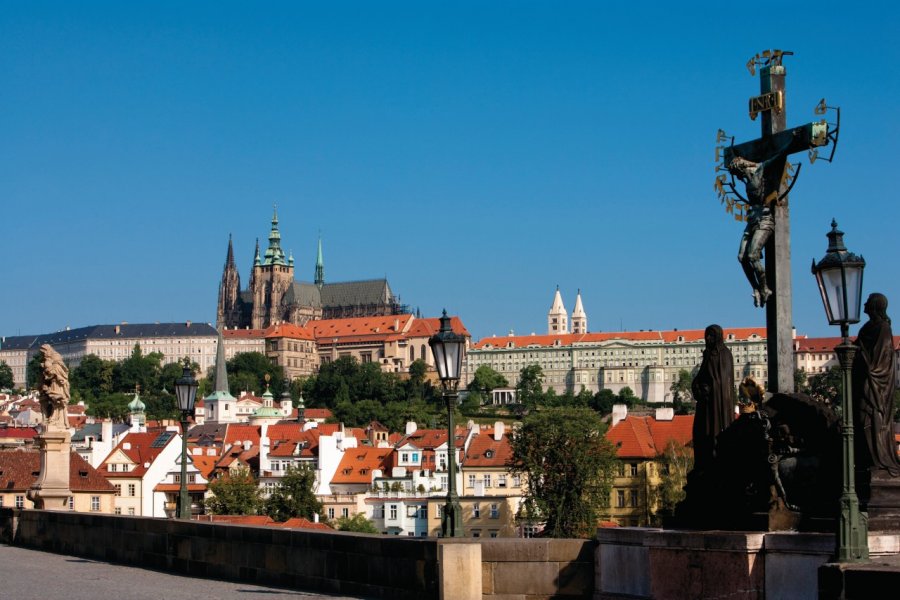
x: 51, y: 490
x: 880, y: 497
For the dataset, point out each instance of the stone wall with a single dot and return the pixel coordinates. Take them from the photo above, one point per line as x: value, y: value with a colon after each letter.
x: 537, y: 569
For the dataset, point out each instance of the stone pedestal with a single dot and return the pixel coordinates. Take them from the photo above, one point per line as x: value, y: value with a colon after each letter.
x: 880, y: 498
x: 51, y: 490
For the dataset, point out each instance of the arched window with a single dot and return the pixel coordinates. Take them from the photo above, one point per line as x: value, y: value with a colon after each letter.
x: 423, y: 351
x: 412, y: 354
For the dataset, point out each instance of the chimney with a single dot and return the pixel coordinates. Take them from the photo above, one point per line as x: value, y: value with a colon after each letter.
x: 106, y: 431
x: 315, y: 517
x: 666, y: 413
x: 188, y: 324
x: 247, y: 445
x: 619, y: 412
x: 411, y: 427
x: 396, y: 324
x: 499, y: 426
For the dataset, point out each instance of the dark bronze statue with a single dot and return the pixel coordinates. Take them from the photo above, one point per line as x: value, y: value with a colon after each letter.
x: 713, y: 390
x: 763, y: 183
x: 874, y: 377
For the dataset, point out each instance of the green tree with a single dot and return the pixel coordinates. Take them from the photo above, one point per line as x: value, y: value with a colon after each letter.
x: 530, y: 387
x: 138, y: 370
x: 569, y: 467
x: 626, y: 396
x: 93, y: 377
x: 33, y: 372
x: 682, y: 396
x: 673, y: 465
x: 801, y: 381
x: 110, y: 406
x: 234, y: 493
x: 294, y: 496
x: 603, y: 401
x: 247, y: 371
x: 486, y: 379
x: 827, y: 386
x: 6, y: 376
x: 358, y: 523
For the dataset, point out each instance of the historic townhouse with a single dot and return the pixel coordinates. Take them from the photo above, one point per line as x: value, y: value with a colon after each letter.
x: 18, y: 472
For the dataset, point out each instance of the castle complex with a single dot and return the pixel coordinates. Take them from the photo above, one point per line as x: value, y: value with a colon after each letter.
x: 273, y: 295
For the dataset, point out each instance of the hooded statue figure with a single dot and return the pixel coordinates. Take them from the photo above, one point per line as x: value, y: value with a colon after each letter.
x: 873, y: 390
x: 713, y: 390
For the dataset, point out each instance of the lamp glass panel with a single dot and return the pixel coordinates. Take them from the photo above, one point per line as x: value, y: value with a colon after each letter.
x: 453, y: 351
x: 834, y: 295
x: 854, y: 292
x: 439, y: 359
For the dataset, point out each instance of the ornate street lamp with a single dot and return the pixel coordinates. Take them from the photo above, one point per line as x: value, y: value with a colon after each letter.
x: 840, y: 277
x: 185, y: 393
x: 448, y: 349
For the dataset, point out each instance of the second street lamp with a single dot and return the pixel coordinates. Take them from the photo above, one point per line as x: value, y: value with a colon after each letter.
x: 448, y: 349
x: 840, y: 276
x: 185, y: 393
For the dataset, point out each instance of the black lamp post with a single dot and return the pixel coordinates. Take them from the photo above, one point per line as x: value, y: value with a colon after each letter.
x: 840, y: 276
x: 448, y: 349
x: 185, y: 393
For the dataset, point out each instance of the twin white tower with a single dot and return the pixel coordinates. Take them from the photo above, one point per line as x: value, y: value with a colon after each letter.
x: 558, y: 318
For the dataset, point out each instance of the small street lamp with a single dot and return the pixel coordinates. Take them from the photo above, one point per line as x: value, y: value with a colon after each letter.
x: 840, y: 276
x: 448, y: 349
x: 185, y: 393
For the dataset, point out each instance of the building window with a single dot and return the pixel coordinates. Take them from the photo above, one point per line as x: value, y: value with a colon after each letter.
x: 113, y: 468
x: 177, y: 477
x: 118, y: 511
x: 529, y: 531
x: 471, y: 481
x: 192, y: 478
x: 345, y: 512
x: 501, y: 480
x: 404, y: 457
x: 423, y: 511
x: 330, y: 513
x: 72, y: 502
x: 517, y: 481
x: 131, y: 511
x: 620, y: 498
x: 393, y: 512
x: 494, y: 533
x: 487, y: 480
x: 621, y: 469
x: 476, y: 511
x: 634, y: 469
x: 415, y: 457
x: 20, y: 501
x: 131, y: 489
x: 118, y: 487
x: 95, y: 503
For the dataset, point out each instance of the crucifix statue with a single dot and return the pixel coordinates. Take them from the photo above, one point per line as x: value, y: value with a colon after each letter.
x: 767, y: 176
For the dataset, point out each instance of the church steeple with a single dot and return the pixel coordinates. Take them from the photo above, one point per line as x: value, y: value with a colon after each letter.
x: 228, y: 309
x: 221, y: 372
x: 274, y: 253
x: 256, y: 260
x: 557, y: 318
x: 579, y: 317
x: 320, y: 267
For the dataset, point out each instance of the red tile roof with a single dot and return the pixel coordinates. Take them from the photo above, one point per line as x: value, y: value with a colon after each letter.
x: 484, y: 451
x: 24, y: 433
x: 264, y: 521
x: 827, y: 344
x: 238, y: 433
x: 318, y: 413
x: 140, y: 449
x: 289, y: 330
x: 19, y: 470
x: 568, y: 339
x: 357, y: 464
x: 645, y: 437
x: 243, y: 333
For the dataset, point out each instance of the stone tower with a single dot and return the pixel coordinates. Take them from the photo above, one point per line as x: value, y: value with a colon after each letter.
x: 271, y: 279
x: 557, y: 318
x: 229, y: 310
x: 579, y: 317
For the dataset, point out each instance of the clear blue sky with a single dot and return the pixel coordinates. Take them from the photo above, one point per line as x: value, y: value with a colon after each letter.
x: 475, y: 153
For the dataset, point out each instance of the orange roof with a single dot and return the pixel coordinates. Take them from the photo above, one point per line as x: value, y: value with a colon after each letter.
x: 238, y: 433
x: 326, y: 329
x: 19, y: 470
x: 645, y: 437
x: 484, y: 451
x: 263, y: 520
x: 243, y: 333
x: 205, y: 463
x: 141, y: 448
x: 288, y: 330
x: 568, y: 339
x: 432, y: 438
x: 357, y: 464
x: 827, y: 344
x: 429, y: 326
x: 318, y: 413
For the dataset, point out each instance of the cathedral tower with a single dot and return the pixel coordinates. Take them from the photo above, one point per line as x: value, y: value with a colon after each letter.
x: 228, y: 313
x: 271, y: 278
x: 579, y: 317
x: 557, y: 318
x: 320, y: 267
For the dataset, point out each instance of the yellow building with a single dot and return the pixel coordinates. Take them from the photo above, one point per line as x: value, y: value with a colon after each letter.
x: 18, y: 472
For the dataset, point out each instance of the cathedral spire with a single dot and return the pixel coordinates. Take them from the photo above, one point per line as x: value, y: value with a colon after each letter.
x: 320, y: 266
x: 221, y: 372
x: 229, y: 258
x: 274, y: 253
x: 557, y: 318
x: 256, y: 259
x: 579, y: 317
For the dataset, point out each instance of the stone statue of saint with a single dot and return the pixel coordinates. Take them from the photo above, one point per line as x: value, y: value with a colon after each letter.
x: 874, y: 375
x: 54, y: 389
x: 713, y: 390
x: 763, y: 183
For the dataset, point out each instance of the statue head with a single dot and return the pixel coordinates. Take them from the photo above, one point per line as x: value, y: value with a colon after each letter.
x: 876, y: 307
x: 713, y: 336
x: 741, y: 167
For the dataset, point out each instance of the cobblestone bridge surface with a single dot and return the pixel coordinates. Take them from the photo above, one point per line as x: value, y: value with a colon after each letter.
x: 32, y: 575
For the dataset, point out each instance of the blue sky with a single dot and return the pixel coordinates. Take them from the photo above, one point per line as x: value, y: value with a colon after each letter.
x: 478, y: 154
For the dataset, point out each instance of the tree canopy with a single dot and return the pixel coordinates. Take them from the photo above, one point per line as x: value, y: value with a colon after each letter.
x: 234, y: 493
x: 358, y: 523
x: 568, y: 466
x: 294, y: 496
x: 6, y: 376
